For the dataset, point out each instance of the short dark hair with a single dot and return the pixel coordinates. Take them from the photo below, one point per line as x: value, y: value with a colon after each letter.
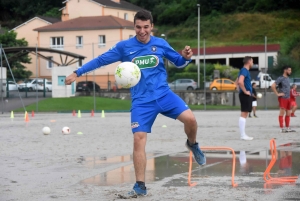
x: 253, y: 84
x: 246, y: 59
x: 285, y: 68
x: 143, y: 15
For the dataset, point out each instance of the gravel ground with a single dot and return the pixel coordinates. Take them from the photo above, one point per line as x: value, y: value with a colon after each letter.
x: 49, y: 167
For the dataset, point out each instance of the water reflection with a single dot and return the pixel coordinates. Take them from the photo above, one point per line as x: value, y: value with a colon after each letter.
x: 219, y: 164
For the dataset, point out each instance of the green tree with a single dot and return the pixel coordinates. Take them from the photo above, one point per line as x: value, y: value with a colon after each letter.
x: 289, y: 55
x: 8, y: 39
x: 53, y: 12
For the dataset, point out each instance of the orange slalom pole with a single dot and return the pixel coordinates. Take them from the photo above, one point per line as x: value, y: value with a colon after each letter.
x: 267, y: 176
x: 218, y: 148
x: 190, y: 171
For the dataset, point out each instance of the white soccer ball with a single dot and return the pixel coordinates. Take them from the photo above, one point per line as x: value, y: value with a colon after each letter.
x: 46, y: 130
x: 127, y: 74
x: 259, y: 95
x: 66, y: 130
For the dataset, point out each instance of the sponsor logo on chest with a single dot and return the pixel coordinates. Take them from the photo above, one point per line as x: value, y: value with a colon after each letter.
x: 148, y: 61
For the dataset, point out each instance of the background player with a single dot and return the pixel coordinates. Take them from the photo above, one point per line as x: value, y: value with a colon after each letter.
x: 151, y: 95
x: 293, y: 95
x: 254, y: 100
x: 283, y: 93
x: 245, y: 92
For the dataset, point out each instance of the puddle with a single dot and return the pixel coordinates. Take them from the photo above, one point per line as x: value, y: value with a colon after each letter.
x: 250, y: 167
x: 97, y: 162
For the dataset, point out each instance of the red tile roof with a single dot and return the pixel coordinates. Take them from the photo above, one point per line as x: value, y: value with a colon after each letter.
x: 237, y: 49
x: 88, y: 23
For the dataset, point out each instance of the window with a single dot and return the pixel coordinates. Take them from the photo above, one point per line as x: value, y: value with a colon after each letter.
x: 49, y: 62
x: 79, y: 41
x: 228, y: 82
x: 57, y: 42
x: 185, y: 81
x: 125, y: 16
x: 101, y: 41
x: 61, y: 80
x: 219, y: 81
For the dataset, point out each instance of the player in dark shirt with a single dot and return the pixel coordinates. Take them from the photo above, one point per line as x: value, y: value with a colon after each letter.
x: 254, y: 100
x: 283, y: 93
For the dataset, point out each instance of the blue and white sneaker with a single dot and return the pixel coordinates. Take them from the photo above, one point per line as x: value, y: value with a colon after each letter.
x: 197, y: 153
x: 137, y: 190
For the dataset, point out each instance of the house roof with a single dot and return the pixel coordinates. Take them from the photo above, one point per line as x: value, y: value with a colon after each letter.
x: 124, y: 5
x: 88, y: 23
x: 48, y: 20
x: 237, y: 49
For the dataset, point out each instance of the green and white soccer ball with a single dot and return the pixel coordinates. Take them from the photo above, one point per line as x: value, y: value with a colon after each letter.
x: 127, y: 74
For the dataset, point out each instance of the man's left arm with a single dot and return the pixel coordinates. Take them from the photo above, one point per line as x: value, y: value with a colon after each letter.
x: 180, y: 61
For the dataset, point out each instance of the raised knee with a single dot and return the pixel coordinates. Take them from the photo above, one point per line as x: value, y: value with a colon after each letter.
x: 191, y: 120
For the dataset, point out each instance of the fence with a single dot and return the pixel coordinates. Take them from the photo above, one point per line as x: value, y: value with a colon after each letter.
x: 196, y: 99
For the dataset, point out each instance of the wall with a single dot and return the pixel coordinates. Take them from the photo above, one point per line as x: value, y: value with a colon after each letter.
x: 261, y: 57
x: 89, y: 37
x: 83, y: 8
x: 26, y: 31
x: 64, y: 90
x: 119, y: 13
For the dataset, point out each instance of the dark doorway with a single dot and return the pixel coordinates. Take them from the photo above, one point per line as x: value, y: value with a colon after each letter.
x: 238, y: 62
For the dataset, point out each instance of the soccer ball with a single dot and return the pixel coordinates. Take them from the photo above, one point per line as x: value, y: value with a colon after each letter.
x: 46, y: 130
x: 259, y: 95
x: 66, y: 130
x: 127, y: 74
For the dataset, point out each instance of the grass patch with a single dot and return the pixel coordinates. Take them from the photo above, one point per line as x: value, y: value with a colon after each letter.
x: 79, y: 103
x: 86, y: 104
x: 233, y: 29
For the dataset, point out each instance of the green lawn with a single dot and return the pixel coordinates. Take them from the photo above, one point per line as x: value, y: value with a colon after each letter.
x: 86, y: 104
x: 79, y: 103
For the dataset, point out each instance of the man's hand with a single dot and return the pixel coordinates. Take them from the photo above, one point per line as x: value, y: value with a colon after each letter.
x: 71, y: 78
x: 187, y: 52
x: 248, y: 93
x: 280, y: 94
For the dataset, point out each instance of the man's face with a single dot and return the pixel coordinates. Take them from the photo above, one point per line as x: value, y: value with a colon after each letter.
x: 288, y: 71
x: 143, y: 30
x: 251, y: 63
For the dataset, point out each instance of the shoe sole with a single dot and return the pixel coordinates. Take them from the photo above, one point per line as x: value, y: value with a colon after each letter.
x: 193, y: 155
x: 247, y: 139
x: 133, y: 193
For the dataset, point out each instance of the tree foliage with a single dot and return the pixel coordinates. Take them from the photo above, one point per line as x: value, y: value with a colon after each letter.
x: 14, y: 12
x: 289, y: 55
x: 178, y: 11
x: 8, y: 39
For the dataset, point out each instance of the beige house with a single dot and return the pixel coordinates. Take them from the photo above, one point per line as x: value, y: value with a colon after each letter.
x: 88, y: 28
x: 26, y: 30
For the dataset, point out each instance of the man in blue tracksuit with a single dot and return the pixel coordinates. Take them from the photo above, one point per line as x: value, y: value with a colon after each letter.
x: 152, y: 94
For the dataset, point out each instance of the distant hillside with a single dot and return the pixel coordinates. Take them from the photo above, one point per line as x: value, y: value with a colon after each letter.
x: 234, y: 29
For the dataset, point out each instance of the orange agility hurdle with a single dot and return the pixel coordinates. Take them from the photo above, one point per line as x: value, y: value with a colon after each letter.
x: 213, y: 148
x: 267, y: 176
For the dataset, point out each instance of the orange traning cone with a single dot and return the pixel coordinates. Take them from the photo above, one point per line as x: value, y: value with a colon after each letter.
x: 32, y: 113
x: 26, y: 117
x: 92, y: 113
x: 74, y: 113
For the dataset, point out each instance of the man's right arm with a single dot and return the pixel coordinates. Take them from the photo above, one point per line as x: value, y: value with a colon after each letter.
x: 242, y: 85
x: 273, y: 87
x: 111, y: 56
